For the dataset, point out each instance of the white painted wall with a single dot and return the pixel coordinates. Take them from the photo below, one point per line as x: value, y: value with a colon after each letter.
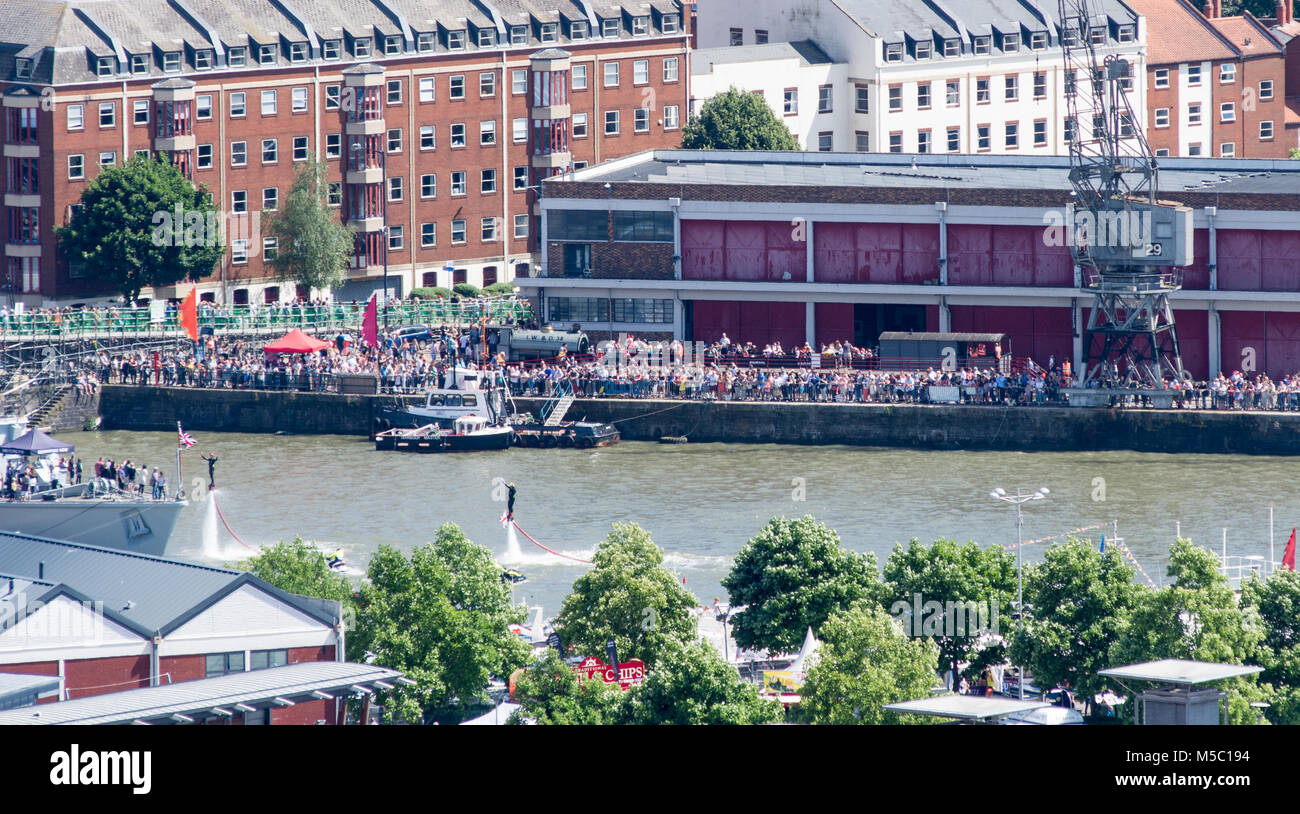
x: 1202, y: 94
x: 772, y: 77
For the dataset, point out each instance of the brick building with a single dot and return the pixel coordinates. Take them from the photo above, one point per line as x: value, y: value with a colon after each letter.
x: 1216, y: 85
x: 436, y: 119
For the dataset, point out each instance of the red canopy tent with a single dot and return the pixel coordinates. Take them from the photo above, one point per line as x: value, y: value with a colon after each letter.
x: 296, y: 342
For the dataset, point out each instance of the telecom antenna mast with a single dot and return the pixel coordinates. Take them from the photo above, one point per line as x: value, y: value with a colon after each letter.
x: 1127, y: 243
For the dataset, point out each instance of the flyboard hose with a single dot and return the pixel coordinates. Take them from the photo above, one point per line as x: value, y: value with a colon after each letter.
x: 227, y: 525
x: 542, y: 547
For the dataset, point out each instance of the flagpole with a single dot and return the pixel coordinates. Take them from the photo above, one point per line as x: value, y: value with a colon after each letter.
x: 1271, y: 563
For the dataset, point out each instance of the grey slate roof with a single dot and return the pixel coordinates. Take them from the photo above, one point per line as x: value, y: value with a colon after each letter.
x: 938, y: 171
x: 806, y: 51
x: 256, y: 688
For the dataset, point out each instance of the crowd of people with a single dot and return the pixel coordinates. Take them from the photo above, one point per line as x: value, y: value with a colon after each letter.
x: 23, y: 478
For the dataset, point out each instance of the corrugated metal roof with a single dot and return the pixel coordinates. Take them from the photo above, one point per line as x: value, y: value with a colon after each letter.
x: 14, y: 684
x: 966, y: 707
x: 1180, y: 671
x: 256, y: 688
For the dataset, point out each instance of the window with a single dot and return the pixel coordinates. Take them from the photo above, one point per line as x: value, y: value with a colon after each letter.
x: 487, y: 84
x: 140, y: 153
x: 334, y: 193
x: 237, y: 57
x: 611, y: 74
x: 1040, y: 132
x: 1071, y: 83
x: 579, y: 73
x: 982, y: 90
x: 895, y: 98
x: 579, y: 125
x: 1228, y: 149
x: 76, y: 117
x: 1013, y: 135
x: 519, y: 130
x: 1010, y: 43
x: 1098, y: 125
x: 269, y: 103
x: 952, y: 47
x: 333, y: 145
x: 1098, y: 34
x: 23, y: 68
x: 237, y: 105
x: 239, y: 200
x: 923, y: 141
x: 521, y: 227
x: 791, y: 97
x: 1227, y: 112
x: 429, y: 185
x: 489, y: 230
x: 76, y: 167
x: 1194, y: 149
x: 458, y: 186
x: 220, y: 664
x: 1040, y: 84
x: 140, y: 112
x: 923, y: 95
x: 982, y: 137
x: 1194, y: 113
x: 1266, y: 89
x: 331, y: 49
x: 107, y: 114
x: 981, y: 46
x: 1227, y: 73
x: 670, y: 69
x: 487, y: 37
x: 426, y: 89
x: 954, y: 139
x: 396, y: 238
x: 238, y: 153
x: 640, y: 71
x: 425, y: 40
x: 456, y: 40
x: 641, y: 120
x: 457, y: 231
x: 266, y: 54
x: 487, y: 132
x: 861, y: 99
x: 172, y: 61
x: 1067, y: 129
x: 456, y: 87
x: 952, y: 92
x: 394, y: 141
x: 298, y: 99
x: 825, y: 141
x: 896, y: 141
x: 1012, y: 87
x: 1162, y: 117
x: 737, y: 36
x: 392, y: 45
x: 457, y: 135
x: 395, y: 188
x: 894, y: 52
x: 1126, y: 33
x: 922, y: 50
x: 578, y: 30
x: 1161, y: 79
x: 671, y: 119
x: 1162, y: 152
x: 640, y: 26
x: 1265, y: 130
x: 300, y: 148
x: 271, y: 198
x: 521, y: 178
x: 611, y: 122
x: 238, y: 256
x: 1193, y: 74
x: 518, y: 35
x: 428, y: 235
x: 488, y: 181
x: 270, y: 151
x: 262, y: 659
x: 862, y: 141
x: 203, y: 106
x: 205, y: 156
x: 1038, y: 40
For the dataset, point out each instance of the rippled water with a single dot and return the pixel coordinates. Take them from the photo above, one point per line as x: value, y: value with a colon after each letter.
x: 701, y: 502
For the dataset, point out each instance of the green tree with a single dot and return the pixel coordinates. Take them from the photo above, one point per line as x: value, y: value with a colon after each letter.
x: 299, y: 568
x: 866, y: 661
x: 737, y: 120
x: 958, y: 578
x: 1276, y: 604
x: 691, y: 684
x: 549, y: 692
x: 1259, y: 8
x: 143, y: 224
x: 1294, y: 153
x: 628, y: 595
x: 312, y: 247
x: 791, y: 576
x: 442, y: 618
x: 1080, y: 598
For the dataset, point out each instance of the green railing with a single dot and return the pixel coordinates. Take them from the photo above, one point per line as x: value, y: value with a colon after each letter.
x: 126, y: 322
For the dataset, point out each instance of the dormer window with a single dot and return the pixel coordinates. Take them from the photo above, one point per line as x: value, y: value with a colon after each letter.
x: 456, y: 40
x: 104, y: 66
x: 671, y: 23
x: 23, y: 68
x: 981, y: 46
x: 424, y: 41
x: 518, y: 35
x: 203, y: 59
x: 237, y: 57
x: 1070, y: 36
x: 923, y: 49
x: 1010, y: 43
x: 392, y: 45
x: 265, y: 54
x: 361, y: 47
x: 1126, y: 33
x: 952, y: 47
x: 640, y: 26
x: 487, y: 37
x: 894, y: 52
x: 578, y: 30
x: 332, y: 49
x: 1038, y: 40
x: 548, y: 32
x: 297, y: 52
x: 609, y: 27
x: 1098, y: 34
x: 171, y: 61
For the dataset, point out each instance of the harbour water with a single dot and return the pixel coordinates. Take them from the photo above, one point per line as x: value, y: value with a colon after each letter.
x: 700, y: 502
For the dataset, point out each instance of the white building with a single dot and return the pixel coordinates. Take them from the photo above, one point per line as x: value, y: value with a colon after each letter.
x: 962, y: 76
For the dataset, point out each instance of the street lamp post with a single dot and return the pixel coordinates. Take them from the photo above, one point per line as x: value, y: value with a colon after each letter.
x: 1018, y: 500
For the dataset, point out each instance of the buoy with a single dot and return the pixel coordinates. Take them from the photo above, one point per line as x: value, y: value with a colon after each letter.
x: 673, y: 439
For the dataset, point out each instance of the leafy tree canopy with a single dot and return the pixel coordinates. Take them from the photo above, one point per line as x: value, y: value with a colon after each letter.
x: 143, y: 224
x: 691, y: 684
x: 793, y: 575
x: 299, y: 568
x: 549, y: 692
x: 1276, y: 603
x: 313, y: 247
x: 737, y: 120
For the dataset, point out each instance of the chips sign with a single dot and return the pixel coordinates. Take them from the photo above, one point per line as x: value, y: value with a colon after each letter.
x: 629, y: 672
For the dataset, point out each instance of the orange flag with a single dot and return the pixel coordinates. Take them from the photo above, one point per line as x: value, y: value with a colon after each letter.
x: 190, y: 315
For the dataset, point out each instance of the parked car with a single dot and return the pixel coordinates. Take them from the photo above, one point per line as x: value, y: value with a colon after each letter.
x: 413, y: 333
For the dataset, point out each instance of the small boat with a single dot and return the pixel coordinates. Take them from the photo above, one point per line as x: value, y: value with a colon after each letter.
x: 469, y: 433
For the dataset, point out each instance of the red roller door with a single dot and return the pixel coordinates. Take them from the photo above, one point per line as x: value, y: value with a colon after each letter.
x: 1197, y: 275
x: 920, y: 253
x: 702, y: 250
x: 1013, y: 254
x: 1280, y: 261
x: 1239, y: 260
x: 746, y: 251
x: 1282, y: 332
x: 1053, y: 265
x: 1243, y: 342
x: 835, y: 253
x: 787, y: 258
x: 834, y: 322
x: 1193, y: 339
x: 713, y: 318
x: 969, y: 254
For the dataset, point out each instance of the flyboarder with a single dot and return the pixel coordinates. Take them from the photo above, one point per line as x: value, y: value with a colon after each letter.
x: 510, y: 502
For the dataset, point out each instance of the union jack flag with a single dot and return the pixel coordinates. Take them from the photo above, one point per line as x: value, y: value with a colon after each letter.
x: 184, y: 438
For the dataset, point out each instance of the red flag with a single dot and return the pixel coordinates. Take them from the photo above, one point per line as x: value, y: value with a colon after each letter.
x: 190, y: 315
x: 370, y: 323
x: 1288, y: 558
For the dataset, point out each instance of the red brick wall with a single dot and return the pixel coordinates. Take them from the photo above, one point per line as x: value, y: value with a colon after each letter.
x: 1163, y: 138
x: 323, y: 653
x: 304, y: 713
x: 183, y: 668
x: 86, y: 677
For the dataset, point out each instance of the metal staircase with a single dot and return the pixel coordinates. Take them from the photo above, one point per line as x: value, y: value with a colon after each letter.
x: 555, y: 408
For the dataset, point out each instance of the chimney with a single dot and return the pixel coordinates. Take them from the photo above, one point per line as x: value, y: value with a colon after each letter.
x: 40, y: 574
x: 1208, y: 10
x: 1218, y: 8
x: 1283, y: 12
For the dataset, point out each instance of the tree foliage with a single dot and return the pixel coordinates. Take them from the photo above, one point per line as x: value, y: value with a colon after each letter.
x: 946, y: 572
x: 866, y: 661
x: 1276, y: 604
x: 630, y: 596
x: 549, y: 692
x: 299, y: 568
x: 737, y: 120
x: 692, y: 685
x: 126, y: 231
x: 1259, y: 8
x: 791, y: 576
x: 312, y: 247
x: 1081, y: 599
x: 442, y: 618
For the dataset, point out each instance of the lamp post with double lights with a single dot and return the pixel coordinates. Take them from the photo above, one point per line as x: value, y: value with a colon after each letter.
x: 1019, y: 500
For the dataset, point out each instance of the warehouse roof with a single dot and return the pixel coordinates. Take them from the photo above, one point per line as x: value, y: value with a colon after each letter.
x: 18, y: 690
x: 210, y: 697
